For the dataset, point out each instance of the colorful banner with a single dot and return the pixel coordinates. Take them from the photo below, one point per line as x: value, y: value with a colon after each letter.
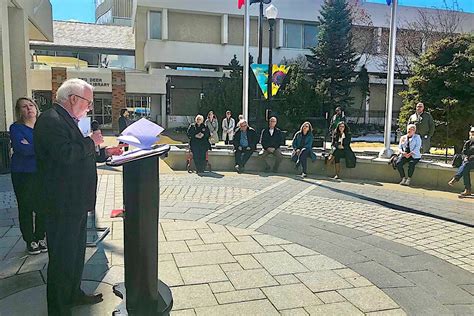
x: 261, y: 74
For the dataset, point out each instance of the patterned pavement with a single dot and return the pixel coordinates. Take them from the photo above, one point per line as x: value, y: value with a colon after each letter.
x: 275, y: 244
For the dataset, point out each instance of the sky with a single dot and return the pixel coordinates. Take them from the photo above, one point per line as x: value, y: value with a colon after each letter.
x: 78, y: 10
x: 83, y: 10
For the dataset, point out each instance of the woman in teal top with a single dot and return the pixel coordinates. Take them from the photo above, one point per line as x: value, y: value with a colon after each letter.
x: 302, y: 147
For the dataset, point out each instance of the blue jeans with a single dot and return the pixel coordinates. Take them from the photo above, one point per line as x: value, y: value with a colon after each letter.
x: 301, y: 159
x: 464, y: 173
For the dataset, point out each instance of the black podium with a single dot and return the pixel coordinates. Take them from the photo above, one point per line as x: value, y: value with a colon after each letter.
x: 142, y: 292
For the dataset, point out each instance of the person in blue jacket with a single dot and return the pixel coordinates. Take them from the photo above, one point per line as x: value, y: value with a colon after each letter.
x: 24, y: 176
x: 302, y: 147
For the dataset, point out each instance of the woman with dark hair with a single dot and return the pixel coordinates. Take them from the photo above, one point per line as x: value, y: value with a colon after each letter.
x: 124, y: 122
x: 341, y: 145
x: 23, y: 174
x: 302, y: 147
x: 198, y: 134
x: 466, y: 166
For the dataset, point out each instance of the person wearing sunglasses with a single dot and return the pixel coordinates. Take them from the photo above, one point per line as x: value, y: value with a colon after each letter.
x: 467, y: 165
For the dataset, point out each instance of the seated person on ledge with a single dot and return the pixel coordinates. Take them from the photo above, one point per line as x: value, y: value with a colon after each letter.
x: 464, y: 170
x: 341, y: 145
x: 271, y: 139
x: 245, y: 142
x: 303, y: 147
x: 409, y: 152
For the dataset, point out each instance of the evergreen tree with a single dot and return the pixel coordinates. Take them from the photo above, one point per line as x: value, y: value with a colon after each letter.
x: 226, y: 93
x: 443, y: 80
x: 333, y: 60
x: 298, y: 98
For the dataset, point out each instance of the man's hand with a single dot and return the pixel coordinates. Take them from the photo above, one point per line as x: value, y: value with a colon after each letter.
x: 97, y: 137
x: 248, y: 148
x: 113, y: 151
x: 271, y: 150
x: 240, y: 148
x: 340, y: 146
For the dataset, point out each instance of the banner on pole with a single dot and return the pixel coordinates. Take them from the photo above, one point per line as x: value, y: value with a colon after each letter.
x: 261, y: 74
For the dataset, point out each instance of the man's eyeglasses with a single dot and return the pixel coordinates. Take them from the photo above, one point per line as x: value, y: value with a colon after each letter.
x: 89, y: 102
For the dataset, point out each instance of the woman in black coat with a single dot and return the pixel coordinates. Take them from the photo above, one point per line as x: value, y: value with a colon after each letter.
x: 124, y: 122
x: 198, y: 134
x: 466, y: 166
x: 341, y: 145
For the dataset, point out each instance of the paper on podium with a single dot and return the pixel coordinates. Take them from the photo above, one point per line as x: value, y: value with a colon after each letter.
x: 142, y: 134
x: 138, y: 153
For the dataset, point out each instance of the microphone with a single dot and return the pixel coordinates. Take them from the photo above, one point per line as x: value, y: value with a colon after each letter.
x: 95, y: 127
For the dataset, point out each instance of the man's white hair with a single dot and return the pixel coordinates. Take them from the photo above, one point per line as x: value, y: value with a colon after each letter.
x: 242, y: 121
x: 72, y: 86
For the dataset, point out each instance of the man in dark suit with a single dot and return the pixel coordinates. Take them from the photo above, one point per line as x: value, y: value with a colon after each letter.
x: 271, y: 139
x: 67, y: 168
x: 245, y: 143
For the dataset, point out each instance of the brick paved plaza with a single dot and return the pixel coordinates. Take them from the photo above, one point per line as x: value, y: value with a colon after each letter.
x: 273, y: 244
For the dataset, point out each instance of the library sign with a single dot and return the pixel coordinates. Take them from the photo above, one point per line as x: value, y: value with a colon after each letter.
x: 101, y: 81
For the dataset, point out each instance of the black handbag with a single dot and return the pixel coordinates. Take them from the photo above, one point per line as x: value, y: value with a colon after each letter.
x: 457, y: 161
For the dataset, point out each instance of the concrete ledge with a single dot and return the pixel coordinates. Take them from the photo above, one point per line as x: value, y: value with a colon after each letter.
x: 427, y: 174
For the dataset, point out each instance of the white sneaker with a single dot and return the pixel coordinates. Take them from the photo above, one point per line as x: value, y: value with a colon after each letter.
x: 404, y: 181
x: 407, y: 182
x: 303, y: 175
x: 43, y: 247
x: 33, y: 248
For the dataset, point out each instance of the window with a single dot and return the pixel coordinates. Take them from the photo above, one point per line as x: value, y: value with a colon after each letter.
x: 310, y: 35
x: 299, y: 35
x: 105, y: 18
x: 155, y: 25
x: 293, y: 35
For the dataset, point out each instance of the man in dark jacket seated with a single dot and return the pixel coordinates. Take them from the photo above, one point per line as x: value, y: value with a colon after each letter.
x: 271, y: 139
x: 245, y: 142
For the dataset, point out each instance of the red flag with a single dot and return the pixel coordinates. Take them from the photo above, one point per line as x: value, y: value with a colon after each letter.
x: 241, y: 3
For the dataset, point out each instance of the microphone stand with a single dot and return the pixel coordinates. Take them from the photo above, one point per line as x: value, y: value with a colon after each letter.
x: 95, y: 234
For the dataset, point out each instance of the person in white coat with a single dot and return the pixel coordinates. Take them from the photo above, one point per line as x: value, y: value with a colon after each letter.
x: 228, y: 126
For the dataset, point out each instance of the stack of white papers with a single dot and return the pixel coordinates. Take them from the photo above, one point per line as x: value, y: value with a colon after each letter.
x: 142, y: 134
x: 138, y: 153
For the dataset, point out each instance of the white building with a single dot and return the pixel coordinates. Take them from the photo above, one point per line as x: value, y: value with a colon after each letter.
x: 116, y: 12
x: 20, y: 21
x: 202, y: 35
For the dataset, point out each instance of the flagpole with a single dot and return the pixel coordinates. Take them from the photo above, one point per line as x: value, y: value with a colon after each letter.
x: 245, y: 95
x: 387, y: 151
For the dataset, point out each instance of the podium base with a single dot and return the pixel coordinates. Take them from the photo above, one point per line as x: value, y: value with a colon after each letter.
x: 161, y: 307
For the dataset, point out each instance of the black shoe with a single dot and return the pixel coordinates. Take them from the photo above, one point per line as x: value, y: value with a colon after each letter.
x: 88, y: 299
x: 43, y: 247
x: 33, y: 248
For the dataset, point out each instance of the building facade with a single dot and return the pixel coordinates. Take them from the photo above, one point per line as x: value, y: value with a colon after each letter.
x: 20, y: 21
x: 113, y: 12
x: 102, y: 55
x: 205, y: 35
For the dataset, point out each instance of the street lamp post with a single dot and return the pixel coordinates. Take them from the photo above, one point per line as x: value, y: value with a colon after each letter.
x: 271, y: 13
